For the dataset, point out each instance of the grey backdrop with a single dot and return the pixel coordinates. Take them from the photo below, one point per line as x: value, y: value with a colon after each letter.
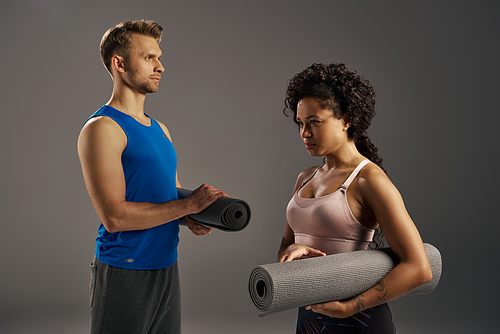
x: 434, y: 65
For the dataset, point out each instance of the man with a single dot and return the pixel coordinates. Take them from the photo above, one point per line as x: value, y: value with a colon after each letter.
x: 129, y: 167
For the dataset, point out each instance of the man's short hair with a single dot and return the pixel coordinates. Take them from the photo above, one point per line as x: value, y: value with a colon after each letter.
x: 117, y: 39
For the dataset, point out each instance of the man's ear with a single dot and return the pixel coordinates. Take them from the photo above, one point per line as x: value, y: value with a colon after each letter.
x: 117, y: 62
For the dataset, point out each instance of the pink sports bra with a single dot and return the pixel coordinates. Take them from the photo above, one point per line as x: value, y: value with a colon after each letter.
x: 327, y: 223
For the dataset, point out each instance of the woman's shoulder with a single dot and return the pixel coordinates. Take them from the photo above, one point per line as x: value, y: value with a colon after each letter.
x: 306, y: 173
x: 372, y: 178
x: 371, y: 172
x: 304, y: 176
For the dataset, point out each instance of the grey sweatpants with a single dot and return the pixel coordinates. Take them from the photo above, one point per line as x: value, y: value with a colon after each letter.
x: 124, y: 301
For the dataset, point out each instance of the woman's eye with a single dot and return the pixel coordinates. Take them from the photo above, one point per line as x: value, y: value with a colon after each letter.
x: 314, y: 122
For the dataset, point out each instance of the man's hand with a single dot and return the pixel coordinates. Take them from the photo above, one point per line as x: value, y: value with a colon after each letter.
x: 197, y: 229
x: 202, y: 197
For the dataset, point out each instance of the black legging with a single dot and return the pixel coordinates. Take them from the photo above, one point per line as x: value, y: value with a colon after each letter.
x: 375, y: 320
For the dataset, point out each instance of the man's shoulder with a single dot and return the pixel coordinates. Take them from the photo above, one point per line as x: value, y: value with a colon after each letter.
x: 101, y: 129
x: 100, y: 122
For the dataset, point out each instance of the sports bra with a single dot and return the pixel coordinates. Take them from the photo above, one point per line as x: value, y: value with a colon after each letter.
x: 327, y: 223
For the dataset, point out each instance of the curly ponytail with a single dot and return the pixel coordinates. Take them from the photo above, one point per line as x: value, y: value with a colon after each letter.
x: 366, y: 147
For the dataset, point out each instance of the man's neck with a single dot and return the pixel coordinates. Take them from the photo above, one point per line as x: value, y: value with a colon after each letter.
x: 127, y: 101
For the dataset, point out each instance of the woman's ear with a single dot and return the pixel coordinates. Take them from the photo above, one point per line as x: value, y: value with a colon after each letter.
x: 346, y: 121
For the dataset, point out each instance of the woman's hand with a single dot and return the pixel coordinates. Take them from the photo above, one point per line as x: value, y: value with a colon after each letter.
x: 298, y: 251
x: 336, y: 309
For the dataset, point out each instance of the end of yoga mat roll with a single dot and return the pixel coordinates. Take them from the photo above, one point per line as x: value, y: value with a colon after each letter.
x: 226, y: 214
x: 277, y: 287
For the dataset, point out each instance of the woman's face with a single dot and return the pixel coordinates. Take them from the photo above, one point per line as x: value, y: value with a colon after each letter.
x: 323, y: 134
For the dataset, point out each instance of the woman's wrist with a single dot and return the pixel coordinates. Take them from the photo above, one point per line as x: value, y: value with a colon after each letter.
x: 356, y: 304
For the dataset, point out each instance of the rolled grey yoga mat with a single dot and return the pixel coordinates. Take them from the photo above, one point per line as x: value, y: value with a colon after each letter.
x: 278, y: 287
x: 226, y: 214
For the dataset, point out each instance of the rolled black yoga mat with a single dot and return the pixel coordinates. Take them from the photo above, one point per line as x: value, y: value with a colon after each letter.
x: 226, y: 214
x: 278, y: 287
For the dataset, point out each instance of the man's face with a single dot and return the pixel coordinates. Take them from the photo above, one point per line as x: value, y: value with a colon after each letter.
x: 142, y: 64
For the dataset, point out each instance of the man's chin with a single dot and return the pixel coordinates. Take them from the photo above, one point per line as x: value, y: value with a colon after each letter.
x: 148, y: 90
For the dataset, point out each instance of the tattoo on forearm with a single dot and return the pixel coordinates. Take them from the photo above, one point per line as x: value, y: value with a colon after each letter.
x: 382, y: 297
x: 381, y: 288
x: 360, y: 303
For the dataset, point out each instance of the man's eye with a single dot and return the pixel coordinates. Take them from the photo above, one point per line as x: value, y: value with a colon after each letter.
x: 314, y: 122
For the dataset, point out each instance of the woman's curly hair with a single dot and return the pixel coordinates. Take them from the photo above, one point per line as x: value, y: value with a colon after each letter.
x: 343, y: 91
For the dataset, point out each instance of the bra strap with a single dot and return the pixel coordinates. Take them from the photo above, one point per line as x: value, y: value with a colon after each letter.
x: 309, y: 179
x: 354, y: 173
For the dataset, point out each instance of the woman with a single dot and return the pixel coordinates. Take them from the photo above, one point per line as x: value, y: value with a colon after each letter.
x: 336, y: 207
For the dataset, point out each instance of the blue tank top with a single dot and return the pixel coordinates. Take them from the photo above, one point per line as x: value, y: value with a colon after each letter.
x: 149, y: 165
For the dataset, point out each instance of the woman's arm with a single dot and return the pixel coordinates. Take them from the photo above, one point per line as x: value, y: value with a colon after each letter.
x: 413, y: 270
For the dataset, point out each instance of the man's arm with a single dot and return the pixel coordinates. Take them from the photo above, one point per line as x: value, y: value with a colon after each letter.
x: 195, y: 228
x: 100, y: 146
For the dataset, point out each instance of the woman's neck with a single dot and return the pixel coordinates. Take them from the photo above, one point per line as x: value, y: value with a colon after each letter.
x: 346, y: 157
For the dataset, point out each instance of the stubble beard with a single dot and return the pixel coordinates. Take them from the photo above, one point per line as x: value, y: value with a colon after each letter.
x: 151, y: 88
x: 147, y: 87
x: 142, y: 85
